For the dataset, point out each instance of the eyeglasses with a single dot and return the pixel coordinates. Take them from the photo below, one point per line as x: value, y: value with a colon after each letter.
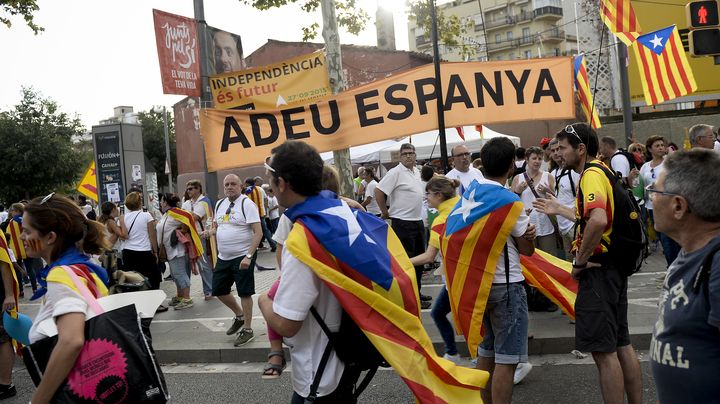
x: 462, y: 155
x: 47, y: 198
x: 650, y: 190
x: 190, y: 188
x: 267, y: 167
x: 652, y: 173
x: 407, y: 154
x: 232, y: 205
x: 571, y: 130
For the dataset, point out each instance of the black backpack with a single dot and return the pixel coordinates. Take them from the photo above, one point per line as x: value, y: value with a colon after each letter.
x: 630, y: 158
x: 353, y: 348
x: 628, y: 247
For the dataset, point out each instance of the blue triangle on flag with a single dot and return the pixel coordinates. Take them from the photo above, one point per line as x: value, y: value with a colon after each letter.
x: 577, y: 63
x: 656, y: 40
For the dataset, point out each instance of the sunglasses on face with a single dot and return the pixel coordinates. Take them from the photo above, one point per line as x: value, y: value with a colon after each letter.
x: 407, y: 154
x: 462, y: 155
x: 232, y: 205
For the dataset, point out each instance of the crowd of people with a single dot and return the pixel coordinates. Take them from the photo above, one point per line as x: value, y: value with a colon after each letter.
x: 568, y: 212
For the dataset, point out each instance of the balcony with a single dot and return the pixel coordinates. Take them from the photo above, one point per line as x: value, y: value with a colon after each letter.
x: 554, y: 35
x: 421, y: 40
x: 478, y: 27
x: 526, y: 40
x: 499, y: 23
x: 504, y: 45
x: 548, y: 12
x: 525, y: 16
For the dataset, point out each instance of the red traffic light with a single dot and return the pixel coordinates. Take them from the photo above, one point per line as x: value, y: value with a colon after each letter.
x: 702, y: 14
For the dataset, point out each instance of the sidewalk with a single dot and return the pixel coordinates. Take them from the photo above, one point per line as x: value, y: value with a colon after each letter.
x: 198, y: 335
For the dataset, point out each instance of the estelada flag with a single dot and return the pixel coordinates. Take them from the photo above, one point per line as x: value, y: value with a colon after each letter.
x: 582, y: 85
x: 474, y: 236
x: 664, y: 70
x: 551, y: 276
x: 619, y: 16
x: 88, y: 185
x: 5, y: 259
x: 361, y: 260
x: 14, y: 230
x: 188, y: 220
x: 212, y: 240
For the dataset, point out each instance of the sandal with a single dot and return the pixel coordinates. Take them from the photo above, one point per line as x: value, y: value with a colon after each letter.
x: 272, y: 370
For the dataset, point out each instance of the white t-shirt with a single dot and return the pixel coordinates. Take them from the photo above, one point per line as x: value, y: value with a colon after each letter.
x: 273, y: 203
x: 137, y: 224
x: 518, y: 230
x: 465, y: 178
x: 234, y: 230
x: 165, y: 228
x: 540, y: 220
x: 619, y: 163
x: 405, y: 192
x: 372, y: 207
x: 283, y: 230
x: 565, y: 195
x: 300, y: 289
x: 3, y: 216
x: 197, y: 208
x: 649, y: 175
x: 717, y: 146
x: 59, y: 300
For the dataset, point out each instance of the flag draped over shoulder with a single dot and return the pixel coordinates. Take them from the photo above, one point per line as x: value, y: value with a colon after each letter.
x: 88, y: 185
x: 582, y: 84
x: 361, y: 260
x: 5, y: 258
x: 14, y: 231
x: 187, y: 219
x: 212, y: 241
x: 664, y: 70
x: 551, y: 276
x: 619, y: 17
x: 474, y: 235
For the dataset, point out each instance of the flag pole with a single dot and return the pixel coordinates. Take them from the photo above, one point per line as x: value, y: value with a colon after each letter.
x: 438, y: 89
x: 625, y: 89
x: 597, y: 73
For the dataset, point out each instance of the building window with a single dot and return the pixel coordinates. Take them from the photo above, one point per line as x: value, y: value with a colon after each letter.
x: 557, y: 51
x: 528, y: 54
x: 497, y: 38
x: 509, y: 35
x: 526, y: 33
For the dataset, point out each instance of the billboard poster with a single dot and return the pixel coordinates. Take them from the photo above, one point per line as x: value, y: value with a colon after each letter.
x: 290, y: 82
x: 226, y: 51
x: 178, y: 53
x: 109, y: 166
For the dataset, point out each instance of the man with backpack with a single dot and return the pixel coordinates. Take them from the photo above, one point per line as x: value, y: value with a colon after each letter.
x: 619, y: 161
x: 685, y: 346
x: 601, y: 306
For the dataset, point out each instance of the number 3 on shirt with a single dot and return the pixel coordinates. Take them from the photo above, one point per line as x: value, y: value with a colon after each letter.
x: 591, y: 197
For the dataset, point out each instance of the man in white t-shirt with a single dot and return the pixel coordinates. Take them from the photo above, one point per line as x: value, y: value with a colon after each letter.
x: 194, y: 190
x: 617, y: 161
x: 506, y: 315
x: 273, y: 209
x: 297, y: 174
x: 238, y: 232
x: 566, y: 181
x: 369, y: 201
x: 463, y: 170
x: 701, y: 136
x: 403, y: 188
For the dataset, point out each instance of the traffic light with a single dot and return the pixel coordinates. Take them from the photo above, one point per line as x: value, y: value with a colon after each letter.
x: 703, y: 18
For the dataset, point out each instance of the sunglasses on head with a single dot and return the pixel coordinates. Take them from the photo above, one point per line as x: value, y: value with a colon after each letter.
x: 571, y: 130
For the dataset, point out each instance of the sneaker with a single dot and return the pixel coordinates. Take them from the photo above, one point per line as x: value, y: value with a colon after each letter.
x: 174, y: 301
x: 452, y: 358
x: 425, y: 298
x: 184, y: 304
x: 522, y: 370
x: 237, y: 323
x: 261, y: 268
x: 162, y: 308
x: 244, y: 336
x: 425, y: 305
x: 209, y: 297
x: 7, y: 391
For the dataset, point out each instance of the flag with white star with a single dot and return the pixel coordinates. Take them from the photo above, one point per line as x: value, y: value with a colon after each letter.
x: 361, y: 260
x: 665, y: 73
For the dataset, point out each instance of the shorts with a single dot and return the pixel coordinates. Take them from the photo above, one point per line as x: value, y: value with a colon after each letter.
x: 228, y: 272
x: 180, y: 270
x: 601, y: 323
x: 506, y: 325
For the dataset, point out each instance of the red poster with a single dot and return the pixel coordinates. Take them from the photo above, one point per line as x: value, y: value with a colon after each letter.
x: 178, y: 52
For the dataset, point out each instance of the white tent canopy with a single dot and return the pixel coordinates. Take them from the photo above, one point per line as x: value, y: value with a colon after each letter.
x: 427, y: 144
x: 366, y: 153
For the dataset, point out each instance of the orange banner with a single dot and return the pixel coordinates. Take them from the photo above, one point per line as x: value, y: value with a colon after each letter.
x: 401, y: 105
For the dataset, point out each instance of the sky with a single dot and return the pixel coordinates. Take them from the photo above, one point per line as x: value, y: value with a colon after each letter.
x: 95, y: 55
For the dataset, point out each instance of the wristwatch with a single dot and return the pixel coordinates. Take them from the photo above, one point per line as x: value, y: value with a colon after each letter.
x: 575, y: 264
x: 249, y: 256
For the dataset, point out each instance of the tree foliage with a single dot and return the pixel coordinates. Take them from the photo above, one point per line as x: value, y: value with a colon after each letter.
x: 349, y: 15
x: 39, y: 149
x: 451, y: 28
x: 153, y: 130
x: 23, y: 8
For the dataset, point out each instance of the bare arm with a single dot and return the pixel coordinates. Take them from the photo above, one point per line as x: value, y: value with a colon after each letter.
x: 71, y: 337
x: 380, y: 197
x: 367, y: 200
x: 8, y: 281
x: 152, y: 232
x: 592, y: 234
x: 281, y: 325
x: 551, y: 206
x: 257, y: 236
x: 425, y: 258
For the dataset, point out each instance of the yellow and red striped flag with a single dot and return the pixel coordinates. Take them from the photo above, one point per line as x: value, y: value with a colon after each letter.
x: 474, y: 236
x: 619, y: 17
x: 664, y: 70
x: 14, y: 230
x: 551, y: 276
x: 187, y: 219
x: 461, y: 132
x: 5, y: 260
x: 212, y: 252
x: 582, y: 84
x: 361, y: 260
x: 88, y: 185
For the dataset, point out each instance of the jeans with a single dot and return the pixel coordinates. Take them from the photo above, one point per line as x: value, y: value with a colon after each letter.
x: 439, y: 312
x: 506, y: 325
x: 670, y: 247
x: 180, y: 270
x: 266, y: 233
x: 206, y: 270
